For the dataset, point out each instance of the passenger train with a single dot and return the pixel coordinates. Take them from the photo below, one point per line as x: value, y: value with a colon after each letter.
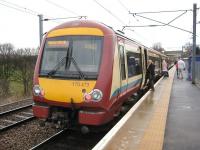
x: 85, y: 71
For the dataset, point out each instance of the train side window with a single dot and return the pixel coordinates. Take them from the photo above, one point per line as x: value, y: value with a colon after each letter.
x: 134, y: 64
x: 122, y: 62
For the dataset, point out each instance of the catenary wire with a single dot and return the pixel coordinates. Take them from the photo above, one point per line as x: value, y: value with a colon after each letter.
x: 164, y: 23
x: 61, y: 7
x: 18, y: 9
x: 156, y: 25
x: 167, y: 11
x: 109, y: 12
x: 120, y: 2
x: 23, y: 9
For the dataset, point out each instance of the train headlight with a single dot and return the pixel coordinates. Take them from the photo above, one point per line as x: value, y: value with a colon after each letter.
x: 96, y: 95
x: 37, y: 90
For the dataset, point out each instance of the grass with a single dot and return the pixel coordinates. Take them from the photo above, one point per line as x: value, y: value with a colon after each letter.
x: 16, y: 89
x: 16, y: 93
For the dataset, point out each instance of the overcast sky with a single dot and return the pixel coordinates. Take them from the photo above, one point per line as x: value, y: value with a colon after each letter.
x: 22, y: 29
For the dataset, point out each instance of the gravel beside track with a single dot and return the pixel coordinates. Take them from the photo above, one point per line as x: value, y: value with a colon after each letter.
x: 10, y: 106
x: 25, y: 136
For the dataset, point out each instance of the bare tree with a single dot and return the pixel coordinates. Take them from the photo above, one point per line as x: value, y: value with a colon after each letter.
x: 158, y: 47
x: 6, y: 67
x: 25, y: 61
x: 187, y: 49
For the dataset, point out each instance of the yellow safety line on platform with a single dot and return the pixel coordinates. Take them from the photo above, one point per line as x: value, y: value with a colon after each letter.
x: 154, y: 134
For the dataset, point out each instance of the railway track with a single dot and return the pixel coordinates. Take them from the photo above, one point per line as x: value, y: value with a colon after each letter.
x: 74, y: 140
x: 15, y: 116
x: 17, y: 104
x: 70, y: 139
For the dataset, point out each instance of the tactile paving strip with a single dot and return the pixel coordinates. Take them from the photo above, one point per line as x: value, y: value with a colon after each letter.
x: 154, y: 133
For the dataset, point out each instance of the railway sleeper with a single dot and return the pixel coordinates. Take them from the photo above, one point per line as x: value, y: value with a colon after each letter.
x: 9, y: 121
x: 27, y: 113
x: 22, y: 117
x: 2, y: 126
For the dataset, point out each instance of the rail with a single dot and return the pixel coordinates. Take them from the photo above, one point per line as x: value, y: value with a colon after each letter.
x: 14, y: 117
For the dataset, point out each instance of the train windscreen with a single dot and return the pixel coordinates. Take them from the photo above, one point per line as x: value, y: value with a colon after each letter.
x: 72, y: 57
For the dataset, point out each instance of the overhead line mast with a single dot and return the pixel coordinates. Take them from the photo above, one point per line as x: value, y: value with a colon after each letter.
x: 194, y: 42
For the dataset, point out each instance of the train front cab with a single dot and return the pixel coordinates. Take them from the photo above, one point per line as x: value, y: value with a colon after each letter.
x: 74, y: 71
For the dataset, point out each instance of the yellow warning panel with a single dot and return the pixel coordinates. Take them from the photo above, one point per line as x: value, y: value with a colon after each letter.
x: 154, y: 133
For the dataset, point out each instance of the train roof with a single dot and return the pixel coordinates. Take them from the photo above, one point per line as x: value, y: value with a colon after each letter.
x: 149, y: 49
x: 89, y: 23
x: 86, y: 23
x: 107, y: 30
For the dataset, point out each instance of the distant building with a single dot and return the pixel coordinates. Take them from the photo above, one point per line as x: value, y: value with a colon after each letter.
x: 174, y: 54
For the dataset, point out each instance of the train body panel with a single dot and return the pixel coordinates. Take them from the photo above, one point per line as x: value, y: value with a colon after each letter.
x: 116, y: 76
x: 65, y: 90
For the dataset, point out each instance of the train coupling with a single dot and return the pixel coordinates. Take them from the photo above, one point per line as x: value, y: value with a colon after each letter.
x: 59, y: 120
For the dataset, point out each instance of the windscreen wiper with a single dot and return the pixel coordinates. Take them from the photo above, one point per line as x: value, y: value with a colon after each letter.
x: 82, y: 75
x: 57, y: 66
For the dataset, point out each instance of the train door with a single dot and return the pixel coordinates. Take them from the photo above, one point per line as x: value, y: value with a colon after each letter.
x: 143, y: 65
x: 122, y: 66
x: 145, y: 58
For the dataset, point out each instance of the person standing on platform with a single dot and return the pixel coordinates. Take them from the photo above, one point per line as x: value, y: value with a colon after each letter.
x: 181, y: 67
x: 176, y: 63
x: 150, y: 73
x: 164, y: 69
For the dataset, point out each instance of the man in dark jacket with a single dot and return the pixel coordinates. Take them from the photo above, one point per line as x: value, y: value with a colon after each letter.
x: 150, y: 74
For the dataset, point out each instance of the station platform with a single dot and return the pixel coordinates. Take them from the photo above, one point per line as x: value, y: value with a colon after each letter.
x: 150, y: 125
x: 183, y: 122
